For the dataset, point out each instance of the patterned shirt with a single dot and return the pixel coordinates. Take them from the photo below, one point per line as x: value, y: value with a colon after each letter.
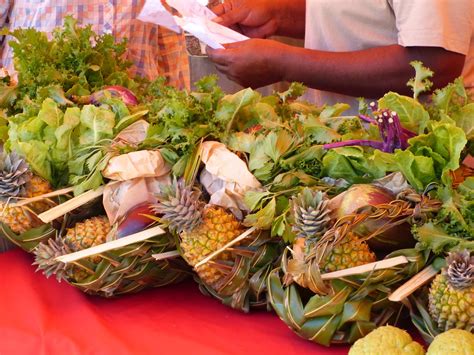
x: 154, y: 51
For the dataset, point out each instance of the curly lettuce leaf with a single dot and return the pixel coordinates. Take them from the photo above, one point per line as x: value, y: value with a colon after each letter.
x: 421, y: 82
x: 436, y: 239
x: 412, y: 114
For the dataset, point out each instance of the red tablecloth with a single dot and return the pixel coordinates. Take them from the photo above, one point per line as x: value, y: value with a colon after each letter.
x: 40, y: 316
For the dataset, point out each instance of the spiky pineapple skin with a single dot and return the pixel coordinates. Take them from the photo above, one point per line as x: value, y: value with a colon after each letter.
x: 451, y: 308
x: 218, y: 227
x: 20, y: 219
x: 351, y: 252
x: 86, y: 234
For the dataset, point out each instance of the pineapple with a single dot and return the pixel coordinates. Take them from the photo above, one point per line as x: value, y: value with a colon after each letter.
x: 17, y: 181
x: 83, y: 235
x: 451, y: 296
x: 310, y: 213
x: 351, y: 252
x: 202, y: 229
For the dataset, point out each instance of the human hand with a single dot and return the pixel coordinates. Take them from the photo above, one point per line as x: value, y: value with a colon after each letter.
x: 253, y: 18
x: 253, y: 63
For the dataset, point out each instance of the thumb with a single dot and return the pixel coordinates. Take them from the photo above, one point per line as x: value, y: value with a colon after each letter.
x: 231, y: 18
x: 232, y: 45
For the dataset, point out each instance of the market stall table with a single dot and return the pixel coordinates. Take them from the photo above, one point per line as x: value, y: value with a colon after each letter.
x: 40, y: 316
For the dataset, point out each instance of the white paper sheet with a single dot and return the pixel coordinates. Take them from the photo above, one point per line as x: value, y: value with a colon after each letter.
x: 195, y: 19
x: 209, y: 32
x: 191, y: 8
x: 153, y: 11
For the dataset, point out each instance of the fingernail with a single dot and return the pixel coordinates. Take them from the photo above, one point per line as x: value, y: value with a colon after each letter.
x: 217, y: 20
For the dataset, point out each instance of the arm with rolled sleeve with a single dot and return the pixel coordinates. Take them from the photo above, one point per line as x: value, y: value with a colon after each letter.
x: 436, y: 32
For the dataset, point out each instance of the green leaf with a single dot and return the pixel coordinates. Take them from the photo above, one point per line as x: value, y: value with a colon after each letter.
x: 276, y: 293
x: 96, y: 123
x: 294, y: 91
x: 446, y: 142
x: 412, y: 114
x: 241, y: 142
x: 418, y: 170
x: 359, y: 330
x: 277, y: 144
x: 449, y: 98
x: 334, y: 111
x: 230, y: 105
x: 253, y: 199
x: 321, y: 329
x: 128, y: 120
x: 420, y: 83
x: 436, y: 239
x: 351, y: 164
x: 356, y: 311
x: 63, y: 133
x: 50, y: 113
x: 37, y: 155
x: 318, y: 133
x: 262, y: 219
x: 258, y: 157
x: 279, y: 226
x: 294, y: 308
x: 318, y: 305
x: 465, y: 120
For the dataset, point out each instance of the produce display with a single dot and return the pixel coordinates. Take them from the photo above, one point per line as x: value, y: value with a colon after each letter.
x: 344, y: 225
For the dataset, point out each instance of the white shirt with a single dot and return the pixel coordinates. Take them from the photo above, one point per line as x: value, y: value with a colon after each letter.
x: 351, y: 25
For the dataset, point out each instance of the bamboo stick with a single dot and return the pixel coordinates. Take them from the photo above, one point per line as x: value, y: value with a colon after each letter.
x: 62, y: 209
x: 27, y: 201
x: 228, y: 245
x: 115, y: 244
x: 167, y: 255
x: 378, y: 265
x: 413, y: 284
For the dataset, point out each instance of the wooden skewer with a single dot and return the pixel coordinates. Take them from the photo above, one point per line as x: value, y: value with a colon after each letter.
x: 228, y: 245
x: 378, y: 265
x: 27, y: 201
x: 115, y: 244
x: 167, y: 255
x: 62, y: 209
x: 413, y: 284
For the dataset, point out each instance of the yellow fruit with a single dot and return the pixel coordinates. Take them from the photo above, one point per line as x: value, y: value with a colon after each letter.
x: 86, y: 234
x: 22, y: 219
x: 386, y: 340
x: 452, y: 342
x: 351, y: 252
x: 218, y: 228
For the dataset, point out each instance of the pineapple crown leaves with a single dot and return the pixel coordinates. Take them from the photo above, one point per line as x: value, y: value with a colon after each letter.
x: 14, y: 174
x: 421, y: 82
x: 179, y: 207
x: 311, y: 213
x: 460, y: 269
x: 45, y: 258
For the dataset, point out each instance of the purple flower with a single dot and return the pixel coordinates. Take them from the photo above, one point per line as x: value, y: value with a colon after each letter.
x: 393, y: 135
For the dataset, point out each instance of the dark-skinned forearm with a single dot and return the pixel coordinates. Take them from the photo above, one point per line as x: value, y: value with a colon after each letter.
x: 367, y: 73
x: 290, y: 15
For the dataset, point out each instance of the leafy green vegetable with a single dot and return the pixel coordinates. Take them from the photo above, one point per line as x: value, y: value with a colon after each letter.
x: 420, y: 83
x: 435, y: 238
x: 74, y: 59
